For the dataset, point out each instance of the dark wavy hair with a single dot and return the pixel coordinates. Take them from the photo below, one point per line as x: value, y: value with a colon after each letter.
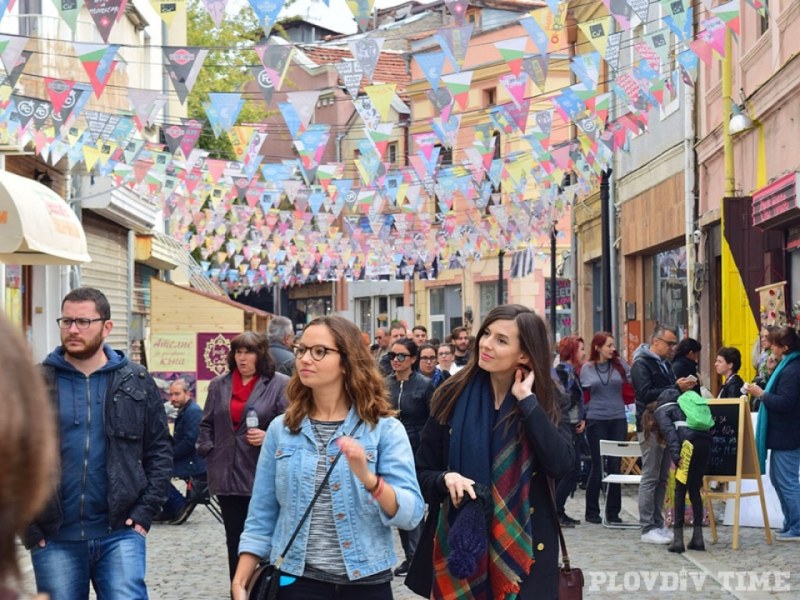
x: 28, y: 445
x: 253, y: 342
x: 534, y: 341
x: 363, y: 383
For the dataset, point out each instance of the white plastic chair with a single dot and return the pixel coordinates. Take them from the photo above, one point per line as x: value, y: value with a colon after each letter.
x: 617, y: 449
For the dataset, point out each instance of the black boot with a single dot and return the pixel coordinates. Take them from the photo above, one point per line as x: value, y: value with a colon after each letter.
x: 677, y: 541
x: 696, y: 543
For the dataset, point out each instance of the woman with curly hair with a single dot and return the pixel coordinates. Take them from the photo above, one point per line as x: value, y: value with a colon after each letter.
x: 337, y: 401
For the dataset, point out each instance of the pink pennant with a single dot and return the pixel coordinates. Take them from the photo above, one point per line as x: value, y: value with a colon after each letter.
x: 58, y: 91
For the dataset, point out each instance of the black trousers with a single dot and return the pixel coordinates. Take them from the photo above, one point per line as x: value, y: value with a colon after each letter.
x: 567, y: 484
x: 697, y: 468
x: 303, y: 589
x: 234, y: 514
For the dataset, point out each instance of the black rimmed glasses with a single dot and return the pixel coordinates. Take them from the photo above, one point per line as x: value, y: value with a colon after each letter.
x: 398, y: 356
x: 669, y: 343
x: 82, y: 324
x: 318, y: 351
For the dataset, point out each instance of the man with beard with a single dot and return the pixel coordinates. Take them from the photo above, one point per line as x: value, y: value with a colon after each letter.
x: 460, y: 337
x: 116, y: 461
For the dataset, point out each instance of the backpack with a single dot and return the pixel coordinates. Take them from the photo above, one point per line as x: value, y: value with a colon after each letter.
x: 695, y: 407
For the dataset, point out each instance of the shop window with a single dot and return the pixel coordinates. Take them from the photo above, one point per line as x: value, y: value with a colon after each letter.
x: 668, y: 298
x: 488, y: 297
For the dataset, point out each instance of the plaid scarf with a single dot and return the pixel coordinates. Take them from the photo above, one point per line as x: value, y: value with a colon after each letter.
x: 507, y: 471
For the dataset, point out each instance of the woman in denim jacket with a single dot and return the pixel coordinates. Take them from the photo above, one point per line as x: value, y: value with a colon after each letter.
x: 336, y: 386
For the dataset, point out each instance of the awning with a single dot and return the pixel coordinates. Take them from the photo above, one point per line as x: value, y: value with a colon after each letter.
x: 36, y: 226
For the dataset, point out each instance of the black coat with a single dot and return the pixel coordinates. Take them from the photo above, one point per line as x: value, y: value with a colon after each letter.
x: 185, y: 461
x: 732, y: 388
x: 649, y: 381
x: 412, y: 399
x: 683, y: 366
x: 553, y: 457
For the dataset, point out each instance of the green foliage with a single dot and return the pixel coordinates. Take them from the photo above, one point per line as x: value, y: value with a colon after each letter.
x: 225, y: 68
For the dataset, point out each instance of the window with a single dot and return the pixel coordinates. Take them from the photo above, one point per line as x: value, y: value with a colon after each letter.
x: 488, y: 297
x: 391, y: 153
x: 30, y: 12
x: 496, y: 197
x: 667, y: 298
x: 763, y: 20
x: 489, y: 97
x: 436, y: 312
x: 364, y: 314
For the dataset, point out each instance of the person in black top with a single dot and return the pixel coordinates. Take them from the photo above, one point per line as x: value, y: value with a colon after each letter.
x: 684, y: 363
x: 728, y: 363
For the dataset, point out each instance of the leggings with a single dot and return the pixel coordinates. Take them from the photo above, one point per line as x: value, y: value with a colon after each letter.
x: 697, y: 468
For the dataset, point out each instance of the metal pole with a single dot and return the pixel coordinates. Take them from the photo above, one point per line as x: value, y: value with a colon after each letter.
x: 553, y: 232
x: 500, y: 281
x: 605, y: 217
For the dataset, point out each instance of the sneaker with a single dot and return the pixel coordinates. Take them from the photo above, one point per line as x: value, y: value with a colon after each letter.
x: 787, y: 536
x: 666, y: 532
x: 654, y: 536
x: 182, y: 517
x: 593, y: 519
x: 402, y: 569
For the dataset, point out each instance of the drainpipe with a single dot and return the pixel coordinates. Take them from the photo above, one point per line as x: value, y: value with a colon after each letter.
x: 339, y: 138
x: 689, y: 211
x: 131, y: 267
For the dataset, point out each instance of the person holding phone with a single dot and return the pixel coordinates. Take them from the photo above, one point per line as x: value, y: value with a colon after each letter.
x: 685, y: 363
x: 496, y: 431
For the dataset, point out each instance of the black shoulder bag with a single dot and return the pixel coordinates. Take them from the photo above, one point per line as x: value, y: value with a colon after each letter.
x: 265, y: 580
x: 570, y: 579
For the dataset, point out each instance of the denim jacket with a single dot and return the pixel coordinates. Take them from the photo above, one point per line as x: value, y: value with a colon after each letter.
x: 285, y: 485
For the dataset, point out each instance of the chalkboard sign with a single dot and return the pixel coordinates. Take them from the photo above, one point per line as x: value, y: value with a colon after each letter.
x: 726, y: 433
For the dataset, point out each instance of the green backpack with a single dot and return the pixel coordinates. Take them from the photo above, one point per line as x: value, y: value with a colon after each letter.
x: 695, y: 407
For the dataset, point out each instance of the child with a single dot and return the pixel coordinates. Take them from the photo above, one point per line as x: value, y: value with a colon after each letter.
x: 685, y: 420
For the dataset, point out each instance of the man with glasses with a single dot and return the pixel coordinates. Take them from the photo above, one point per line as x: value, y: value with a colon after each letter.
x: 116, y: 462
x: 652, y: 374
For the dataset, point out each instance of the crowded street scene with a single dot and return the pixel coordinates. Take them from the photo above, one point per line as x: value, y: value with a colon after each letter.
x: 395, y: 299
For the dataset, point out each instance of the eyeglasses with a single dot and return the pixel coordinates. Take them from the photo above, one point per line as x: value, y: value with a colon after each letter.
x: 318, y: 351
x: 669, y: 343
x: 427, y: 358
x: 66, y: 323
x: 445, y: 353
x: 398, y: 356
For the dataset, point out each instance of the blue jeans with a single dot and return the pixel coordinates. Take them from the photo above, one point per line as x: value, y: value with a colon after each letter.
x: 784, y: 466
x: 115, y: 564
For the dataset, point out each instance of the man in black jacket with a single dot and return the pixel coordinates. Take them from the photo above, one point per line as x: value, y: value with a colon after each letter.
x: 652, y: 374
x: 116, y: 461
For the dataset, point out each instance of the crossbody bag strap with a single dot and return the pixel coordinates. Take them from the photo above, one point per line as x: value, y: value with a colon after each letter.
x: 297, y: 529
x: 551, y: 492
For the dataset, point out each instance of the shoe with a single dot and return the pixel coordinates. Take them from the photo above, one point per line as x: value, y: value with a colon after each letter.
x: 697, y: 543
x: 613, y: 519
x: 402, y: 570
x: 787, y: 536
x: 593, y: 519
x: 567, y: 521
x: 677, y: 543
x: 666, y: 532
x: 654, y: 536
x: 162, y: 518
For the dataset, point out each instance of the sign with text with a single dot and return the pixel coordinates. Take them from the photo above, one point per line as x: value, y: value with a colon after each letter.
x: 173, y: 352
x: 212, y: 354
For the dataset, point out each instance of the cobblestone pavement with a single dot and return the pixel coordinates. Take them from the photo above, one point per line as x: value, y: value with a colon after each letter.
x: 188, y: 562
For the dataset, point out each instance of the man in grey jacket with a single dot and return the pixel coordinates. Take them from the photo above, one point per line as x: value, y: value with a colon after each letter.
x: 280, y: 334
x: 116, y: 461
x: 652, y: 374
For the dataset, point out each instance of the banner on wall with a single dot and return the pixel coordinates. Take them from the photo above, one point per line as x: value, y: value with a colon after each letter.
x: 772, y: 303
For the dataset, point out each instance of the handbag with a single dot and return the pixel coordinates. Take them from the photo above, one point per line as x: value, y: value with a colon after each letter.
x: 265, y: 580
x: 570, y: 579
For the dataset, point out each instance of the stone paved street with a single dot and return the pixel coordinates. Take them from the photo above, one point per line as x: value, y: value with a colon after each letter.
x: 187, y: 562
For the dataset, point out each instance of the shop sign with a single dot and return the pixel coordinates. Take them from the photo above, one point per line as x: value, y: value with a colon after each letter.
x: 776, y: 204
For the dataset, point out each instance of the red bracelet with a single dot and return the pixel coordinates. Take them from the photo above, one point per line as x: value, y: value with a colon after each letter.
x: 378, y: 489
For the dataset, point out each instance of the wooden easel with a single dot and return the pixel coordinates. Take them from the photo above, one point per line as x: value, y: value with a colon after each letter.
x: 747, y: 467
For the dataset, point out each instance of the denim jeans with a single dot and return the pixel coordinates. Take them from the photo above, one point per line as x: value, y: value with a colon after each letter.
x: 656, y: 462
x: 784, y: 473
x: 115, y: 564
x: 596, y: 430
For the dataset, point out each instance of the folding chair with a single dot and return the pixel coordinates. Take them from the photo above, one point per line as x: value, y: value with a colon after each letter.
x: 616, y: 449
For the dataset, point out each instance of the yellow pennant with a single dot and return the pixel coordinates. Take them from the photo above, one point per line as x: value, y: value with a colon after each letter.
x: 381, y: 96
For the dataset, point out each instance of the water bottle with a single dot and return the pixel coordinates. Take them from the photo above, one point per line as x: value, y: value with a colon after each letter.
x: 252, y: 419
